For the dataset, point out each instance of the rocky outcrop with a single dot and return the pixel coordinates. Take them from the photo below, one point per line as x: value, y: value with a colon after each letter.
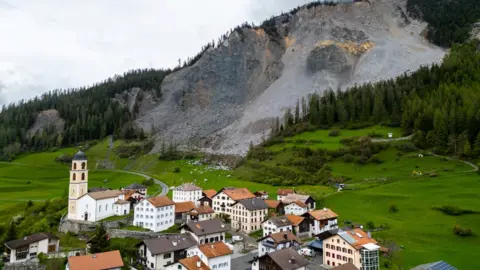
x: 48, y: 119
x: 229, y: 97
x: 24, y: 266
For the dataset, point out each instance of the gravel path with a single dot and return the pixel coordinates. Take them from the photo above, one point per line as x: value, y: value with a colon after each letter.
x: 158, y: 182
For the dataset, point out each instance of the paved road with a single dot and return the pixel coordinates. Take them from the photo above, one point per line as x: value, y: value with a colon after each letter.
x: 158, y: 182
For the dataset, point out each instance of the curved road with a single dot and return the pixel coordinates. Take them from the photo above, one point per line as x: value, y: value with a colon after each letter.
x: 158, y: 182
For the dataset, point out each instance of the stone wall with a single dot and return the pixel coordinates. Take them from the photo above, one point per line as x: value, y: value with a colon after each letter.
x: 24, y: 266
x: 116, y: 233
x: 85, y: 226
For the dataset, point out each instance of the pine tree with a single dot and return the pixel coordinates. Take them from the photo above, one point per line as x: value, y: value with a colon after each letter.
x: 11, y: 232
x: 467, y: 149
x: 476, y: 146
x: 297, y: 113
x: 100, y: 241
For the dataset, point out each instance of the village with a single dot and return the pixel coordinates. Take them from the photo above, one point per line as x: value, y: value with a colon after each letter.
x: 232, y: 228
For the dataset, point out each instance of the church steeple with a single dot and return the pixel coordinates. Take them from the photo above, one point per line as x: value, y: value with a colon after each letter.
x: 78, y: 182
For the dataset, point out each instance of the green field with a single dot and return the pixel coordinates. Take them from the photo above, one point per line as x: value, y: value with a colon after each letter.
x: 319, y: 139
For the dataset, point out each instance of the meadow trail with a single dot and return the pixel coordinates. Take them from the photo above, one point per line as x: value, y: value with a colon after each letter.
x: 158, y: 182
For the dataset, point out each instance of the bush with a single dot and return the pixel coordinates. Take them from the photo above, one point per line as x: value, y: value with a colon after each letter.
x: 375, y: 134
x: 148, y: 182
x: 348, y: 158
x: 458, y: 230
x: 176, y: 170
x: 393, y: 208
x: 375, y: 159
x: 454, y: 210
x: 406, y: 147
x: 65, y: 158
x: 334, y: 133
x: 370, y: 225
x: 361, y: 160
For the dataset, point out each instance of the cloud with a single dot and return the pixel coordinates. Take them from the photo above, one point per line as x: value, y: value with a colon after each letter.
x: 53, y: 44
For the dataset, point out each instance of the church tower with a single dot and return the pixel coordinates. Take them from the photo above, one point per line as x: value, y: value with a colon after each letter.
x: 78, y: 184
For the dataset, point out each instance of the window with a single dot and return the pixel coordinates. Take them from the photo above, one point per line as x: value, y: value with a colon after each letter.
x: 151, y: 264
x: 349, y: 251
x: 106, y: 207
x: 339, y: 257
x: 74, y: 166
x: 74, y: 177
x: 328, y: 254
x: 328, y: 245
x: 333, y: 247
x: 83, y: 176
x: 328, y: 262
x: 99, y: 208
x: 344, y: 250
x: 338, y: 241
x: 339, y: 248
x: 84, y: 165
x: 350, y: 260
x: 344, y: 258
x: 179, y: 267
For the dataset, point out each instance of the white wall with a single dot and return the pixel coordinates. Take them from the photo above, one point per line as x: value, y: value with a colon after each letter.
x: 37, y: 247
x: 120, y: 209
x: 264, y: 249
x: 222, y: 262
x: 184, y: 196
x: 218, y: 200
x: 269, y: 228
x: 294, y: 209
x: 152, y: 218
x: 316, y: 229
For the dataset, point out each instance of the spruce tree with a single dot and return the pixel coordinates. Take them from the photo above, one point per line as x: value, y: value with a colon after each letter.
x: 476, y: 146
x: 11, y: 232
x: 297, y: 113
x: 100, y: 241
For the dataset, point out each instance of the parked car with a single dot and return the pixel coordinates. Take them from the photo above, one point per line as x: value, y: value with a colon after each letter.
x: 306, y: 252
x: 236, y: 238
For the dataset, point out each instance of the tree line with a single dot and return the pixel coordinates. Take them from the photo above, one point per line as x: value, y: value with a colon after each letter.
x: 440, y: 105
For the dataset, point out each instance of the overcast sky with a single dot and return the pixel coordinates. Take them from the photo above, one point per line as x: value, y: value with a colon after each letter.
x: 49, y: 44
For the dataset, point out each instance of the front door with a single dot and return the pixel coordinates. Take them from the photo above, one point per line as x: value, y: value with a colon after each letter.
x: 86, y: 216
x: 124, y: 212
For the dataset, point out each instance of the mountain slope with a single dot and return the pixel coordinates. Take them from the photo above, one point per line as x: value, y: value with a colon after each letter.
x: 228, y: 98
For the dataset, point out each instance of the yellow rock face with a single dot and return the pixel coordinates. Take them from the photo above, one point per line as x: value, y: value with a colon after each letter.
x: 349, y: 47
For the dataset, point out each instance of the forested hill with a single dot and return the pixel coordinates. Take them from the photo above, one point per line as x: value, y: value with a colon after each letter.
x: 450, y: 21
x: 440, y: 105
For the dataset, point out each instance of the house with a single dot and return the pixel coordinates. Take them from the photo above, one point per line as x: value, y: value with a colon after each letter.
x: 300, y: 225
x: 122, y: 207
x: 181, y: 211
x: 206, y: 231
x: 200, y: 213
x: 321, y: 220
x: 111, y: 260
x: 281, y: 193
x: 207, y: 197
x: 277, y: 241
x: 226, y: 197
x: 187, y: 192
x: 306, y: 199
x: 440, y: 265
x: 28, y: 247
x: 137, y: 188
x: 276, y: 207
x: 190, y: 263
x: 157, y: 253
x: 350, y: 246
x: 284, y: 259
x: 133, y: 194
x: 216, y: 255
x: 90, y: 206
x: 346, y: 266
x: 248, y: 214
x: 297, y: 208
x: 262, y: 194
x: 276, y: 224
x: 155, y: 213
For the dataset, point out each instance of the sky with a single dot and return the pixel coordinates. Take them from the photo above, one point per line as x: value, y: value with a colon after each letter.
x: 53, y: 44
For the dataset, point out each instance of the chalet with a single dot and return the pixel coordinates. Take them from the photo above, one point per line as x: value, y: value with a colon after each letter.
x: 306, y: 199
x: 284, y: 259
x: 181, y: 211
x: 189, y: 263
x: 262, y: 194
x: 29, y: 247
x: 216, y: 255
x: 321, y: 220
x: 111, y: 260
x: 281, y: 193
x: 300, y: 225
x: 207, y: 231
x: 297, y: 208
x: 277, y: 241
x: 157, y: 253
x: 350, y: 246
x: 200, y: 213
x: 136, y: 187
x: 207, y: 196
x: 248, y: 214
x: 276, y: 224
x: 275, y: 206
x: 226, y: 197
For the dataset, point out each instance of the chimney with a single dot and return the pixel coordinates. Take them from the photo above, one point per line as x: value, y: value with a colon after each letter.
x: 292, y: 260
x: 25, y: 238
x: 223, y: 225
x: 369, y: 234
x: 325, y: 209
x: 361, y: 227
x: 174, y: 243
x: 199, y: 264
x: 94, y: 256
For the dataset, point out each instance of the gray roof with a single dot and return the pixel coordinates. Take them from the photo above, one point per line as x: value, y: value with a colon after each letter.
x: 206, y: 227
x: 187, y: 187
x: 253, y: 204
x: 288, y: 259
x: 27, y: 240
x: 95, y: 189
x: 170, y: 243
x: 280, y: 221
x: 135, y: 186
x: 440, y: 265
x: 80, y: 156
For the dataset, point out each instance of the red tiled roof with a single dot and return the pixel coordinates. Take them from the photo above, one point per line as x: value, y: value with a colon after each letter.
x: 98, y: 261
x: 213, y: 250
x: 284, y: 192
x: 160, y: 201
x: 182, y: 207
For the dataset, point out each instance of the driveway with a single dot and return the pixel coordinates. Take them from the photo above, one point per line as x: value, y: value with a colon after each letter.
x: 158, y: 182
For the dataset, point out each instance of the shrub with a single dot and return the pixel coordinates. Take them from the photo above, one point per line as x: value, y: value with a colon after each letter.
x: 375, y: 159
x: 458, y: 230
x: 361, y: 160
x: 176, y: 170
x: 406, y: 147
x: 348, y: 158
x: 375, y: 134
x: 393, y: 208
x: 148, y: 182
x: 370, y: 225
x: 334, y: 133
x: 65, y: 158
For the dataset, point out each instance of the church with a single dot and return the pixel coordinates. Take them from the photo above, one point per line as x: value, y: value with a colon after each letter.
x: 92, y: 206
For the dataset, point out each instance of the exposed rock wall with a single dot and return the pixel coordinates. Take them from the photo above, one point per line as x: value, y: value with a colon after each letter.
x: 132, y: 234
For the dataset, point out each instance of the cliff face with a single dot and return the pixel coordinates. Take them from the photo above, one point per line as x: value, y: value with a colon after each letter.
x: 230, y: 96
